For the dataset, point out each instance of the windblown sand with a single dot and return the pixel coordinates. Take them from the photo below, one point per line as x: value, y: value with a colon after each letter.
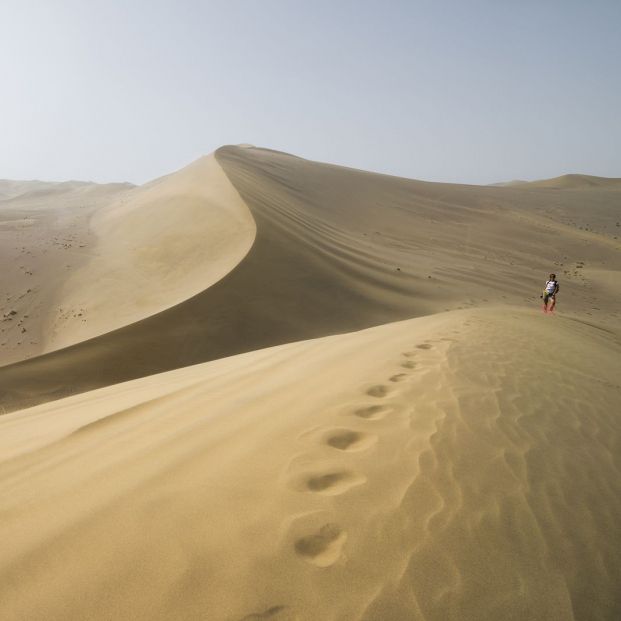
x: 334, y: 250
x: 45, y: 236
x: 461, y: 464
x: 94, y: 263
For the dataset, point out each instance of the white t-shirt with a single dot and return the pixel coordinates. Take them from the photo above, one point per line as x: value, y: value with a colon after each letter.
x: 550, y: 286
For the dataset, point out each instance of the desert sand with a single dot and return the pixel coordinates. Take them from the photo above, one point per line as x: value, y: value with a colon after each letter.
x: 145, y: 249
x: 45, y: 236
x: 345, y: 404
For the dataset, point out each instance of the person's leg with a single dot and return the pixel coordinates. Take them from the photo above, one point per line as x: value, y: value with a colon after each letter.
x: 545, y: 302
x: 553, y: 303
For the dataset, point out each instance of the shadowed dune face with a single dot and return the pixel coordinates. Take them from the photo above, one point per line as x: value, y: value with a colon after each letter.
x: 484, y: 485
x: 339, y: 250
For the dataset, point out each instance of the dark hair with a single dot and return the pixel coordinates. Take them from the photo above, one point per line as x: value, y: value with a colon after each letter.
x: 552, y: 275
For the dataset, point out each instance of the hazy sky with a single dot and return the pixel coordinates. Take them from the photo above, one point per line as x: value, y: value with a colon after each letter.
x: 467, y: 90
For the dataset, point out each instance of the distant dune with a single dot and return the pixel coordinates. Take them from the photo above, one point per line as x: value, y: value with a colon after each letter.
x: 270, y: 388
x: 12, y: 189
x: 568, y: 182
x: 504, y: 184
x: 336, y: 250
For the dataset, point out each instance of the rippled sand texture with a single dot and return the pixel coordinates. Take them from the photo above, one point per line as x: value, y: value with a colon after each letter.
x: 455, y: 466
x: 287, y: 390
x: 335, y: 250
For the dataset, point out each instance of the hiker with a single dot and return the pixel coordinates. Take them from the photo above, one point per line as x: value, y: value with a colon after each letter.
x: 549, y: 293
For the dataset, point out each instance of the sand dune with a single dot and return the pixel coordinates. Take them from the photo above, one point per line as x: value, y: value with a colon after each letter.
x: 460, y: 461
x: 566, y: 182
x: 578, y: 182
x: 464, y: 466
x: 10, y: 189
x: 338, y: 250
x: 155, y: 247
x: 101, y: 257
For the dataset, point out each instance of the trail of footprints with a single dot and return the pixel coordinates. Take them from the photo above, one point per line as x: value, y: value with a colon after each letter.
x: 323, y: 546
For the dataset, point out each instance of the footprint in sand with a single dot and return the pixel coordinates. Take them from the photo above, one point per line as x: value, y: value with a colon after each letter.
x: 409, y: 354
x: 409, y: 364
x: 424, y: 346
x: 372, y: 412
x: 331, y: 483
x: 324, y: 547
x: 348, y: 440
x: 399, y: 377
x: 378, y: 391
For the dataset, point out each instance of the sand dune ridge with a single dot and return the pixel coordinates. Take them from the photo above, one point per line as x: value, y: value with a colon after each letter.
x: 462, y: 504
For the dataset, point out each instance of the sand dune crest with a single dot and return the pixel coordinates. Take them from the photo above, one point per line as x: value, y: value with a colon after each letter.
x: 335, y: 250
x: 159, y: 245
x: 472, y: 490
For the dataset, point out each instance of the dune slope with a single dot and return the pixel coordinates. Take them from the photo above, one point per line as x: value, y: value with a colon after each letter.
x: 338, y: 250
x: 83, y: 259
x: 464, y: 466
x: 158, y: 245
x: 44, y: 238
